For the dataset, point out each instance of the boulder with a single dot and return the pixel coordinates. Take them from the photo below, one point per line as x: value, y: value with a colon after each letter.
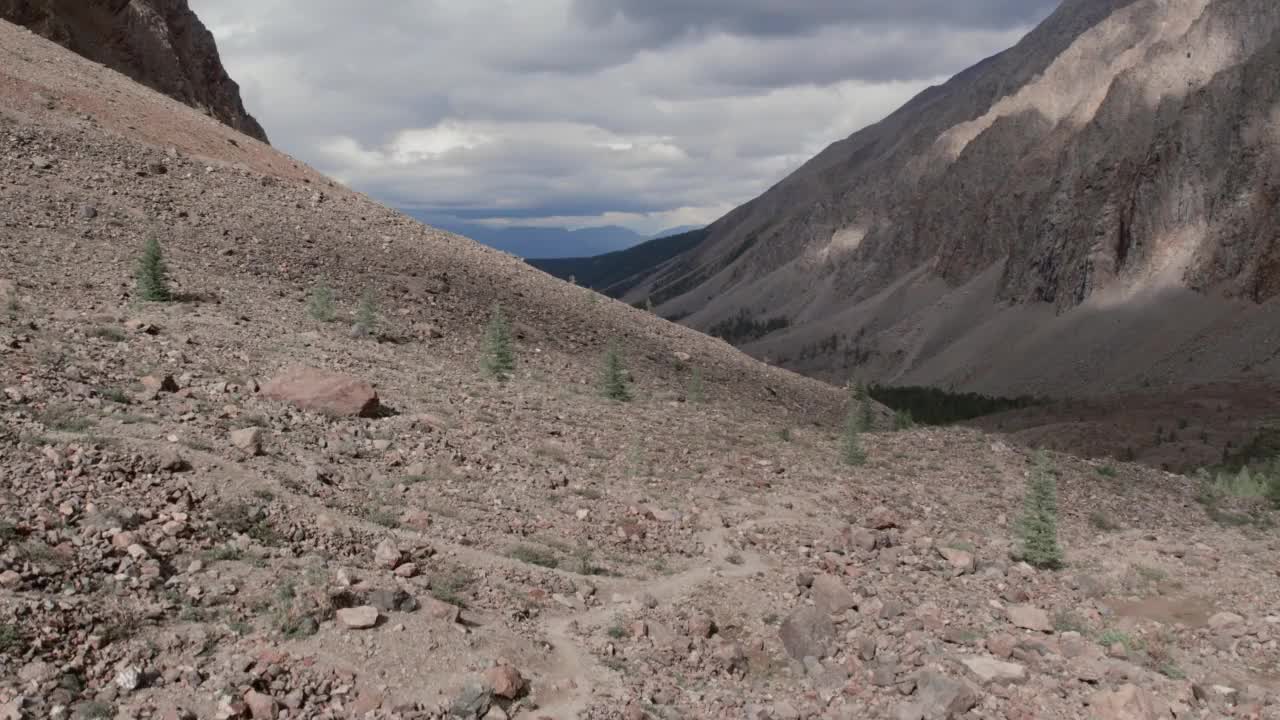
x: 1029, y: 617
x: 1127, y: 702
x: 939, y: 697
x: 990, y: 670
x: 324, y: 392
x: 831, y: 596
x: 505, y: 681
x: 807, y: 632
x: 248, y: 440
x: 358, y: 618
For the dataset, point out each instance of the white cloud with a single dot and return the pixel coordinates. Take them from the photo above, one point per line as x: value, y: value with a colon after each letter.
x: 584, y: 112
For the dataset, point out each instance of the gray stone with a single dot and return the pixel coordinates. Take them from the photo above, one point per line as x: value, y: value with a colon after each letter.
x: 807, y: 632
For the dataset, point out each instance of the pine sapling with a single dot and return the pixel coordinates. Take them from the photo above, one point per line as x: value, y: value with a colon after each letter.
x: 850, y: 443
x: 366, y: 323
x: 1038, y: 527
x: 320, y: 304
x: 697, y: 393
x: 613, y: 379
x: 867, y: 415
x: 152, y: 275
x: 499, y: 360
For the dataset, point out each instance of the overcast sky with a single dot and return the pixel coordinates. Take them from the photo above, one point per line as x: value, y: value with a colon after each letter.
x: 644, y: 113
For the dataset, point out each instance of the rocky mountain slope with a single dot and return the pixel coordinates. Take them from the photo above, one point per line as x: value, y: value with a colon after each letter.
x: 226, y: 507
x: 159, y: 43
x: 1091, y: 210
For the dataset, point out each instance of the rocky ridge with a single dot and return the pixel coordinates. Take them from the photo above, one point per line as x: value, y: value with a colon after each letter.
x: 159, y: 43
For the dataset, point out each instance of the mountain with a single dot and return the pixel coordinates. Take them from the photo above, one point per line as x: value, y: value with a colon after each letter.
x: 540, y: 241
x: 1094, y: 209
x: 677, y: 230
x: 159, y: 43
x: 616, y: 273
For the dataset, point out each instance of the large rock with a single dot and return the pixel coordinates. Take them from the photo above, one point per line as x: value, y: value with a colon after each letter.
x: 990, y: 670
x: 358, y: 618
x: 159, y: 43
x: 1030, y: 617
x: 1127, y: 702
x: 324, y: 392
x: 831, y: 596
x: 505, y: 681
x: 807, y: 632
x: 939, y: 697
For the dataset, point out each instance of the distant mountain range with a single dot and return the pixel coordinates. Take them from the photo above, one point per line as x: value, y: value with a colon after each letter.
x: 546, y: 242
x: 616, y: 273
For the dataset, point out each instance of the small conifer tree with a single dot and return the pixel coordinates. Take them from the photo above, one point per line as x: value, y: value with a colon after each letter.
x: 902, y: 420
x: 499, y: 360
x: 697, y: 393
x: 850, y: 443
x: 866, y: 414
x: 320, y: 303
x: 1038, y: 527
x: 367, y: 315
x: 613, y: 379
x: 152, y: 275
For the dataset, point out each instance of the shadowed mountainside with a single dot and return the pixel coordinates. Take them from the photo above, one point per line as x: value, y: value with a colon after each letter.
x: 1091, y: 210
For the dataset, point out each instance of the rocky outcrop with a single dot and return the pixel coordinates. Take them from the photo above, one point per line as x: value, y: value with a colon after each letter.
x: 159, y: 43
x: 1120, y: 158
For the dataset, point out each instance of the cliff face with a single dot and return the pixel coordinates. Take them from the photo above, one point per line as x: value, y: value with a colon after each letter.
x: 1124, y: 153
x: 159, y: 43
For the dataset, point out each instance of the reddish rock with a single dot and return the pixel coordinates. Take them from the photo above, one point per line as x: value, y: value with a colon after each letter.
x: 505, y: 681
x: 261, y: 707
x: 324, y: 392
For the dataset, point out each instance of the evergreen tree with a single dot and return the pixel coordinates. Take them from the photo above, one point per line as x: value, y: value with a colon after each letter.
x: 1038, y: 527
x: 367, y: 315
x: 697, y: 393
x: 152, y: 276
x: 867, y: 414
x: 499, y: 349
x: 902, y: 420
x: 851, y: 445
x: 320, y: 303
x: 613, y: 379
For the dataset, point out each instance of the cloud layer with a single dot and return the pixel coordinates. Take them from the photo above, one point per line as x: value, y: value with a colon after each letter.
x: 647, y: 113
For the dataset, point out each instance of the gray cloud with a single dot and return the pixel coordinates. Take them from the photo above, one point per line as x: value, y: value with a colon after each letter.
x: 649, y: 113
x: 788, y: 17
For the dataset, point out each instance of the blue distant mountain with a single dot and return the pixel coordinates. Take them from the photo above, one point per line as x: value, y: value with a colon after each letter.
x: 528, y: 242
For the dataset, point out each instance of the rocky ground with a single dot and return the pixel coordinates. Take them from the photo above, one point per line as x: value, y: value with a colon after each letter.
x: 193, y: 526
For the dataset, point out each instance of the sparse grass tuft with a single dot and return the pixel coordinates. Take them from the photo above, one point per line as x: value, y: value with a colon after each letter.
x: 11, y: 641
x: 1107, y: 471
x: 111, y: 334
x: 448, y: 587
x: 64, y: 418
x: 1113, y: 637
x: 534, y: 556
x: 1067, y: 621
x: 1102, y: 521
x: 115, y: 395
